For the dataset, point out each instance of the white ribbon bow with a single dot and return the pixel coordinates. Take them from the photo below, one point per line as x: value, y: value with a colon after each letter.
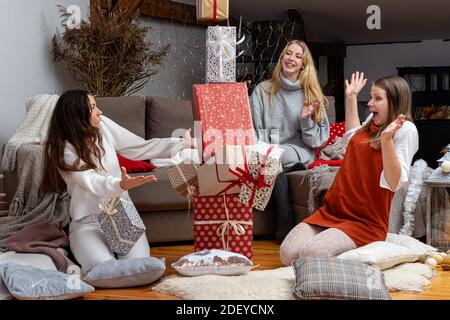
x: 110, y: 207
x: 224, y: 48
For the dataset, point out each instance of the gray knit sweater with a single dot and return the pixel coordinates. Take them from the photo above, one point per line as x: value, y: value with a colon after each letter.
x: 281, y: 124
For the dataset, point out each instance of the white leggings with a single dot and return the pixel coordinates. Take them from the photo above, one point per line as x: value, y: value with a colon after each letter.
x: 311, y: 240
x: 89, y: 245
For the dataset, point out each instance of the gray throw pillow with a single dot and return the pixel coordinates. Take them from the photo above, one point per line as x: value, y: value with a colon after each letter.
x: 126, y: 273
x: 26, y: 282
x: 337, y: 279
x: 38, y: 260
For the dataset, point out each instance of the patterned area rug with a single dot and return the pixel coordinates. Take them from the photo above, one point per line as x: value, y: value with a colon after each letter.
x: 276, y: 284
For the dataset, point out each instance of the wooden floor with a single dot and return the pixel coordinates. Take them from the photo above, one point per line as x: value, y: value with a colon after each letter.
x: 266, y: 255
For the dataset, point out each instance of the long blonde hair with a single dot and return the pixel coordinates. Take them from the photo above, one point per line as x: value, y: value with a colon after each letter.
x: 308, y: 79
x: 398, y: 96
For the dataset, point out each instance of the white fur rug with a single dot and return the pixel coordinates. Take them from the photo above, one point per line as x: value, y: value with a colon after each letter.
x: 276, y: 284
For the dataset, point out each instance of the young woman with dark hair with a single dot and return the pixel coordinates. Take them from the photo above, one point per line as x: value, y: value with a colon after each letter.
x: 80, y: 155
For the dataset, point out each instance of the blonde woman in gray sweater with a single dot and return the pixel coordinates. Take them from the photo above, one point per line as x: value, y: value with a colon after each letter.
x: 289, y: 110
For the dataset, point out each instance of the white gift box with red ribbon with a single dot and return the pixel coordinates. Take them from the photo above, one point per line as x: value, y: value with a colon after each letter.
x: 259, y: 174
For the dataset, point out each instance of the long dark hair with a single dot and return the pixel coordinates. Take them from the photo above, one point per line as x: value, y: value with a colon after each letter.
x: 70, y: 123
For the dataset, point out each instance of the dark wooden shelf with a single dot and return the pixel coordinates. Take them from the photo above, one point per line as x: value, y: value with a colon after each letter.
x: 434, y: 134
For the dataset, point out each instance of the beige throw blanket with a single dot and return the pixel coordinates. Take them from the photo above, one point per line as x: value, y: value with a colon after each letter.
x: 32, y: 129
x: 320, y: 180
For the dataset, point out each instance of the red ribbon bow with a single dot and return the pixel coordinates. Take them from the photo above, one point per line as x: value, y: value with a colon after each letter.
x: 247, y: 178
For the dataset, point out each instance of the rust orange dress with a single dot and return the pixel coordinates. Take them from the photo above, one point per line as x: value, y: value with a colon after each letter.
x: 355, y: 202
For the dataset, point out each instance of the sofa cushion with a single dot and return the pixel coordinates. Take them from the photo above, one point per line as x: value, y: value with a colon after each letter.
x: 159, y: 196
x: 135, y: 165
x: 129, y: 112
x: 166, y: 115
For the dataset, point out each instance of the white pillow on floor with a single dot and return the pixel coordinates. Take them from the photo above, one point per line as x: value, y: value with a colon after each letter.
x: 382, y: 254
x: 419, y: 247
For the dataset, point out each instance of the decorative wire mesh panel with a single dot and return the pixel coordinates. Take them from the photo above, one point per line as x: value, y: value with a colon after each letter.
x: 266, y: 40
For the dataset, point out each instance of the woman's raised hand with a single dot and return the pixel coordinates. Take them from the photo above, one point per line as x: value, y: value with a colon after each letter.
x: 133, y: 182
x: 309, y: 109
x: 392, y: 128
x: 356, y: 84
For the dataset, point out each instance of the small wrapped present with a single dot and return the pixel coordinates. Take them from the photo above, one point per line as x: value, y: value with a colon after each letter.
x: 216, y: 175
x: 221, y: 222
x: 121, y: 224
x: 183, y: 178
x: 221, y: 54
x: 259, y: 175
x: 212, y: 10
x: 214, y: 179
x: 224, y: 112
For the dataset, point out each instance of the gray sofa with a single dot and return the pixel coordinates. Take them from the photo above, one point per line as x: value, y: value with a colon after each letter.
x: 164, y: 211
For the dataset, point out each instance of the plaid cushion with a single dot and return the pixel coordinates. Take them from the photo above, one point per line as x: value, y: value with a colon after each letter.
x: 332, y: 278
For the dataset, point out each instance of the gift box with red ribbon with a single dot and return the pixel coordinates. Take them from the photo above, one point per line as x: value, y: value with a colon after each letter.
x: 214, y: 178
x: 216, y: 175
x: 259, y: 174
x: 212, y: 10
x: 222, y: 222
x: 225, y: 115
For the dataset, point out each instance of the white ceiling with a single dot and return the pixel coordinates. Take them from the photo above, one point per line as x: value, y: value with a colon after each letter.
x: 345, y: 20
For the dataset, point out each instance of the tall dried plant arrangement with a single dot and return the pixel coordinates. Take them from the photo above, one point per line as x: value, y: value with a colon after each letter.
x: 108, y: 54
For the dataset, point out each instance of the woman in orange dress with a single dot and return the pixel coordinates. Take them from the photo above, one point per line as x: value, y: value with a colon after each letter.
x: 376, y: 164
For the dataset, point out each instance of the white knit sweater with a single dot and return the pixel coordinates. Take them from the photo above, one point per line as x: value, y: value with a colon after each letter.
x: 88, y: 188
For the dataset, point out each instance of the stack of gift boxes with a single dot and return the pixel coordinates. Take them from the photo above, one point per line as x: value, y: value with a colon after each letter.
x: 237, y: 173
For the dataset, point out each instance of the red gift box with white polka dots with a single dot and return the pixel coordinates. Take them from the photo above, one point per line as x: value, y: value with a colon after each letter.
x: 222, y: 222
